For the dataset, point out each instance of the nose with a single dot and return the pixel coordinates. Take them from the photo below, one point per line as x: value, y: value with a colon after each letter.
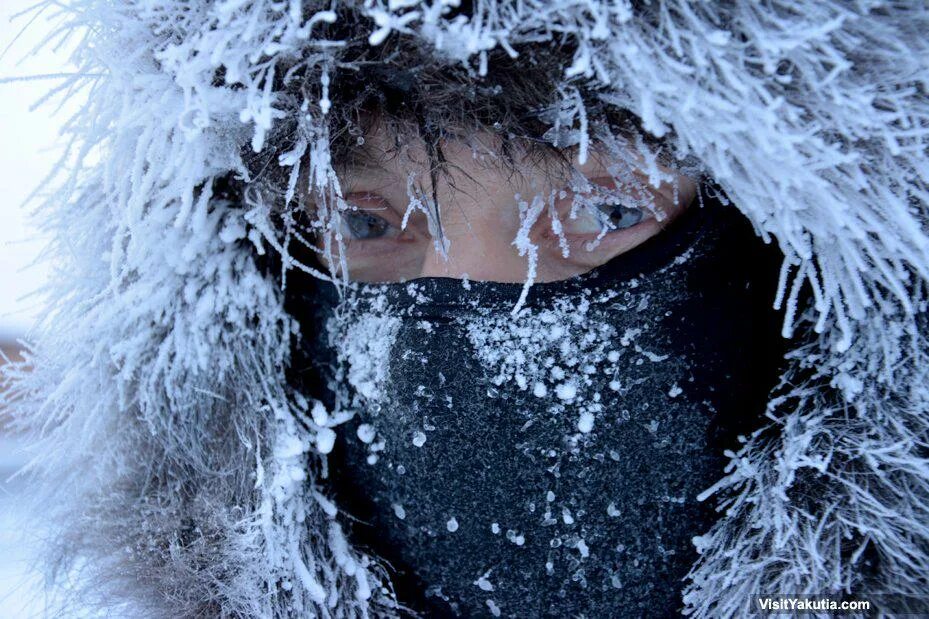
x: 480, y: 249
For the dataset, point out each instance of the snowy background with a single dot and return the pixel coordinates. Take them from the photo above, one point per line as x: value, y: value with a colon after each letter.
x: 26, y: 154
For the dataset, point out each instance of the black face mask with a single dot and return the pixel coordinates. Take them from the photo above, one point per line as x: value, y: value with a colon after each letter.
x: 548, y: 463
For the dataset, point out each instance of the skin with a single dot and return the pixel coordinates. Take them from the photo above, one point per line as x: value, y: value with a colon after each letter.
x: 480, y: 214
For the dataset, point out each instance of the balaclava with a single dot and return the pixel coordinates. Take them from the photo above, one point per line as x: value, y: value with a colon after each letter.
x: 550, y: 460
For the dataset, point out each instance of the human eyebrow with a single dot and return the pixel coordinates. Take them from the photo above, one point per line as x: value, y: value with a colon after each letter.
x: 364, y: 168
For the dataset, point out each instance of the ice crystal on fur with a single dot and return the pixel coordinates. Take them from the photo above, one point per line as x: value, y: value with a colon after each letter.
x: 159, y: 368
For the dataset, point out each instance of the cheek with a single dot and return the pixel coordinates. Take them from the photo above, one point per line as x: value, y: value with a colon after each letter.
x: 585, y: 251
x: 590, y: 251
x: 380, y: 260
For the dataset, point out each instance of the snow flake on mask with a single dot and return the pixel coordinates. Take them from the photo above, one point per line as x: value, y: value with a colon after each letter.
x: 483, y: 583
x: 558, y: 351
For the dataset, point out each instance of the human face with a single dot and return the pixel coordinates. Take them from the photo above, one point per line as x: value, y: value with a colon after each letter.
x: 572, y: 221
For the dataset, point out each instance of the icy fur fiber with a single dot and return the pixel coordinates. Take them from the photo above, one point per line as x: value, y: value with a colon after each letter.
x: 167, y: 439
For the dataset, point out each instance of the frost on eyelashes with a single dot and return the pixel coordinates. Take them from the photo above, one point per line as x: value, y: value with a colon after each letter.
x: 634, y: 174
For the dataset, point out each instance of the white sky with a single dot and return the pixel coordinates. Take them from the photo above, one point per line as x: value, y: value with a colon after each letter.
x: 28, y: 142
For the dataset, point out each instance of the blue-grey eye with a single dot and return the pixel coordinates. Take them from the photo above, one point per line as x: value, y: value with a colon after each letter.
x: 620, y: 217
x: 361, y: 225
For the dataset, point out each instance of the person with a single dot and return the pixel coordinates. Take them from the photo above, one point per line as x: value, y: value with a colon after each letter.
x: 535, y: 451
x: 473, y: 309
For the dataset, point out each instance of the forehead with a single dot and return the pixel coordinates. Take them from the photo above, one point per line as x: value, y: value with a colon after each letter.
x: 475, y: 162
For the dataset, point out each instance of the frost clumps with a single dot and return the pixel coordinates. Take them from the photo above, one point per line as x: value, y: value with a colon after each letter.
x: 362, y: 336
x: 560, y: 351
x: 364, y: 343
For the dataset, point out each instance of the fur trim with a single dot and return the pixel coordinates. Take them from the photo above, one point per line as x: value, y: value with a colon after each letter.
x: 181, y: 470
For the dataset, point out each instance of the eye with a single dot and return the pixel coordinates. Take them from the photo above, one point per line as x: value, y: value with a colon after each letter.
x: 620, y: 216
x: 376, y: 244
x: 604, y: 216
x: 362, y: 225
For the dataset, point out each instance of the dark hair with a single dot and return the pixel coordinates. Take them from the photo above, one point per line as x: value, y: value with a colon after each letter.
x: 403, y: 84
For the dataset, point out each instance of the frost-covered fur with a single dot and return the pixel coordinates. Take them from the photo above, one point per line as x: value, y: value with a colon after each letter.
x: 182, y: 472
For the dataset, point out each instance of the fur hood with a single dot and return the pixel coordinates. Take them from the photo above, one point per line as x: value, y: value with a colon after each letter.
x: 179, y: 471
